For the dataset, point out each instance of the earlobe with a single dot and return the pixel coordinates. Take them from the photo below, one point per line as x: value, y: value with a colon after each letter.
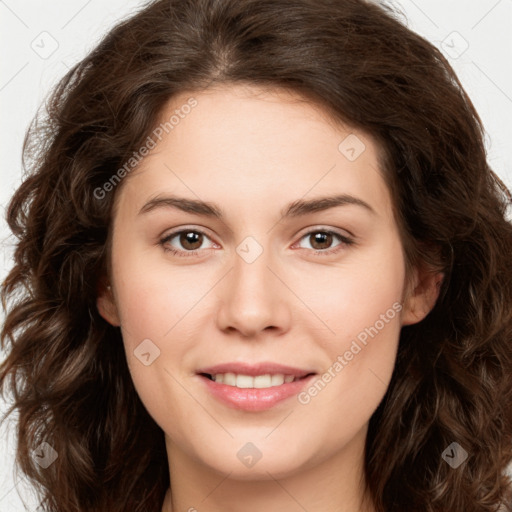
x: 107, y: 307
x: 422, y: 299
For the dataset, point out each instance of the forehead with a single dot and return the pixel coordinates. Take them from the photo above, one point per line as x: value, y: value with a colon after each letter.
x: 255, y: 144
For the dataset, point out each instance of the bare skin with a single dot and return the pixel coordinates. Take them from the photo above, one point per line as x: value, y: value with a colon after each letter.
x: 252, y: 152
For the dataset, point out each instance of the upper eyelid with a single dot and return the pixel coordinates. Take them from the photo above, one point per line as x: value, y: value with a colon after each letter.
x: 328, y: 229
x: 180, y: 230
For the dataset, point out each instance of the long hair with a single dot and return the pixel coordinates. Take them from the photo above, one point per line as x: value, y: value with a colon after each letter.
x: 65, y: 366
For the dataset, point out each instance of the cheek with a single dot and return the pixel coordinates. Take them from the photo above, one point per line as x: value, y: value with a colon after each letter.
x: 155, y: 304
x: 363, y: 291
x: 350, y: 388
x: 362, y: 308
x: 153, y: 296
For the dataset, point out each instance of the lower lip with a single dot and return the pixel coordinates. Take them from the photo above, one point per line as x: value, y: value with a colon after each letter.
x: 254, y: 399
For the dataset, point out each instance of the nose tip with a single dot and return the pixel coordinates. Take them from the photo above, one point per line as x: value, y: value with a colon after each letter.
x: 252, y: 299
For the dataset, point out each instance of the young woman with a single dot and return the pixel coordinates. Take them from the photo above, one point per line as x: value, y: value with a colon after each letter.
x: 262, y: 264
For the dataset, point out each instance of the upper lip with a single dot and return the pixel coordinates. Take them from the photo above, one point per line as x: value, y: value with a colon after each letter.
x: 252, y: 369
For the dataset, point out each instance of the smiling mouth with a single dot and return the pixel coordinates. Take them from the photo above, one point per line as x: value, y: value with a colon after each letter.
x: 255, y: 382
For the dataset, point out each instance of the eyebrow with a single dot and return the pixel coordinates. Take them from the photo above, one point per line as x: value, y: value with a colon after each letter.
x: 297, y: 208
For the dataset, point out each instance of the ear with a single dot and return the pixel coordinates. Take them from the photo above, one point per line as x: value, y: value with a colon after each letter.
x: 422, y: 295
x: 106, y: 304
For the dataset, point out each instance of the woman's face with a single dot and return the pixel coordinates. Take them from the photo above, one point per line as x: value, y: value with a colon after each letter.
x: 258, y: 236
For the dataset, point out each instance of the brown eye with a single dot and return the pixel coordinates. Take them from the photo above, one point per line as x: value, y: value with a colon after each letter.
x: 325, y: 242
x: 186, y: 242
x: 320, y: 240
x: 191, y: 240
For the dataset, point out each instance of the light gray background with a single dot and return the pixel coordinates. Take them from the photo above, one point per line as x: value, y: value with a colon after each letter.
x: 41, y: 40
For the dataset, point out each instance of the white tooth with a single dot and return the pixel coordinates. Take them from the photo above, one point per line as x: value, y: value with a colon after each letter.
x: 262, y: 381
x: 248, y: 381
x: 244, y: 381
x: 278, y: 379
x: 230, y: 379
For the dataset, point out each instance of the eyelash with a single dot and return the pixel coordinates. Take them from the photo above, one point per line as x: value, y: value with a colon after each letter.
x: 345, y: 242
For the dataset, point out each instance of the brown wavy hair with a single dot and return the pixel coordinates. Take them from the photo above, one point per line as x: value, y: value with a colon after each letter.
x: 65, y: 366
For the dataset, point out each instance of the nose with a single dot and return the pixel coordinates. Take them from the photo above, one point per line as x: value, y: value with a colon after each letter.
x: 252, y: 299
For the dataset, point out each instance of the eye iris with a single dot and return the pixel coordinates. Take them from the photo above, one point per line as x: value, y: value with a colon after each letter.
x: 321, y: 238
x: 191, y: 238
